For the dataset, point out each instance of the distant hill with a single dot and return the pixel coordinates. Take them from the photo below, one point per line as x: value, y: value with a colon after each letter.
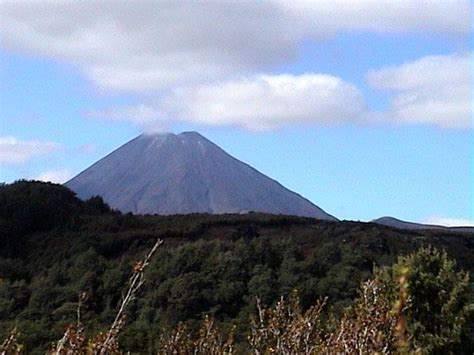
x: 397, y: 223
x: 185, y: 173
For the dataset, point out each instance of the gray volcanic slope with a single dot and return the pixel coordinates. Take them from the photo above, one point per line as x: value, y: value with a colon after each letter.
x: 185, y: 173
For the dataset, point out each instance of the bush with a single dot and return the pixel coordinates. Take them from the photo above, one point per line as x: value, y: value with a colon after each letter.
x: 439, y: 298
x: 419, y: 305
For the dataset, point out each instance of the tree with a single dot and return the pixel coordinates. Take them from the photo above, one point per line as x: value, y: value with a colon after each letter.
x: 439, y: 298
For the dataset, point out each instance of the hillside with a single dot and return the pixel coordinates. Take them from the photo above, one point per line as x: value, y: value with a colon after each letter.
x: 209, y: 264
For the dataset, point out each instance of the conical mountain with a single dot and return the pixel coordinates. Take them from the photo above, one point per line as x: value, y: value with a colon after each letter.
x: 185, y: 173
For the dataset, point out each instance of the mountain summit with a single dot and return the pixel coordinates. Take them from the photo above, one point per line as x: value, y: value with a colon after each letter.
x: 185, y: 173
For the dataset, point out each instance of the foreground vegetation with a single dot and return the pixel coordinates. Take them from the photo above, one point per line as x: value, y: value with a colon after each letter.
x: 55, y: 247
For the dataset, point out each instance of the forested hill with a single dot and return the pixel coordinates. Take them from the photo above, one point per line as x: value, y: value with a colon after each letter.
x: 54, y: 246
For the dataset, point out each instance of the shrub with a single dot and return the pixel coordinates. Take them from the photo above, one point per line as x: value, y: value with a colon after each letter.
x: 439, y: 298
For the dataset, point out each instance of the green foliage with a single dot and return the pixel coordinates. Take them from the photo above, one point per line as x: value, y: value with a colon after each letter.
x: 439, y: 298
x: 28, y: 207
x: 36, y: 206
x: 96, y: 205
x: 210, y: 264
x: 376, y: 323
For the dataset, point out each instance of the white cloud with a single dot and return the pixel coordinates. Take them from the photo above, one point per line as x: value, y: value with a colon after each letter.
x: 450, y: 222
x: 426, y: 72
x: 198, y: 60
x: 150, y: 46
x: 432, y: 90
x: 14, y: 151
x: 258, y: 103
x: 267, y: 102
x: 56, y: 176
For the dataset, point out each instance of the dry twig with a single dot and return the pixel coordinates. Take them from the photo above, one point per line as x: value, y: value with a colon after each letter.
x: 136, y: 281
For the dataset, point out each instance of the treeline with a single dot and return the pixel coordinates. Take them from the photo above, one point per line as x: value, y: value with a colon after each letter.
x: 55, y: 246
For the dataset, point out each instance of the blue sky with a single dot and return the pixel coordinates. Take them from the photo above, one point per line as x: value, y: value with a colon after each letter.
x: 365, y: 117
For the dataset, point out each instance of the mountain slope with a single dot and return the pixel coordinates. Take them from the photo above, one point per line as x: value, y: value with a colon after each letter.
x: 185, y: 173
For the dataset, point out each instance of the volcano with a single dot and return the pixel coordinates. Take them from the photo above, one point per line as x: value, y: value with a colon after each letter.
x: 185, y: 173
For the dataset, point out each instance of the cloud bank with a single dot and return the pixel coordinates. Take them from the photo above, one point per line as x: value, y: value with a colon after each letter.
x: 268, y: 102
x: 147, y: 46
x: 259, y: 103
x: 434, y: 90
x: 209, y: 63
